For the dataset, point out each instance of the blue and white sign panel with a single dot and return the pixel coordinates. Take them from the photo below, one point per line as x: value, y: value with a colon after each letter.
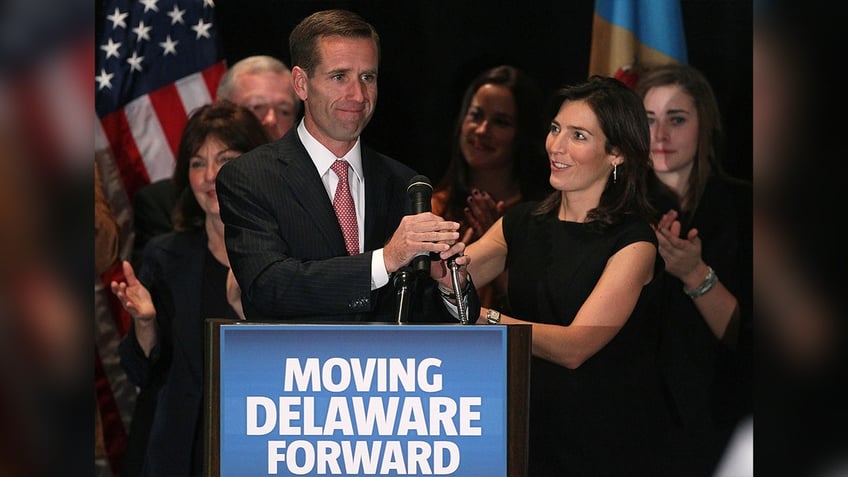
x: 361, y: 400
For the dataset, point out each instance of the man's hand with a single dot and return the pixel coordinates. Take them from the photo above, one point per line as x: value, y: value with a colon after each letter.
x: 424, y: 232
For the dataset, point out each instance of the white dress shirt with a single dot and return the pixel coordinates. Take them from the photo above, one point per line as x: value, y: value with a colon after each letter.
x: 322, y: 158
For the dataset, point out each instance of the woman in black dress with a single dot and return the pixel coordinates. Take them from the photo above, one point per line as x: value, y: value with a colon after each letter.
x: 589, y: 267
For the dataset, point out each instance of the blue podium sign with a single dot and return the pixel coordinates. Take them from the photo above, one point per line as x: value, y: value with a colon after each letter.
x: 361, y: 400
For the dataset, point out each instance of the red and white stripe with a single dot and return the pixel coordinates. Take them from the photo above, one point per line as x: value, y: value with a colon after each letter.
x: 143, y: 137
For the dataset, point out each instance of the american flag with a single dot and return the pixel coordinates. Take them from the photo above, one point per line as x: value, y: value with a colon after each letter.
x: 155, y: 62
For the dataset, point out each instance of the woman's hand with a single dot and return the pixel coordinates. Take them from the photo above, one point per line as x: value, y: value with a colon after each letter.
x: 439, y: 268
x: 481, y: 213
x: 136, y: 300
x: 682, y: 255
x: 133, y: 296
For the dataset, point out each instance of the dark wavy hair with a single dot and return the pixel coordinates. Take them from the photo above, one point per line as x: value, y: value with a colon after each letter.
x: 235, y: 126
x: 530, y: 164
x: 624, y: 122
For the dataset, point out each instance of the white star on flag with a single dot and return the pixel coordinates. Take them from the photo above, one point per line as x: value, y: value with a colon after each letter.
x: 142, y: 31
x: 202, y: 29
x: 169, y: 46
x: 150, y: 5
x: 104, y: 79
x: 176, y: 15
x: 111, y: 48
x: 135, y: 61
x: 117, y: 19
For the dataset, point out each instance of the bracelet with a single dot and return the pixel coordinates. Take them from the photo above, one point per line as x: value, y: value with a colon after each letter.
x: 705, y: 286
x: 451, y: 295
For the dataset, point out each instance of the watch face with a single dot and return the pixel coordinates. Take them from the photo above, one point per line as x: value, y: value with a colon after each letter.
x: 493, y: 316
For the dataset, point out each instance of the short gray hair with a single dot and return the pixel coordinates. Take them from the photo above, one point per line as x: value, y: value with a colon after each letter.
x: 250, y: 65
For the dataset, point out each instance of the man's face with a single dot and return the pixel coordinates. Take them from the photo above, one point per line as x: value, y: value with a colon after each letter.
x: 270, y: 96
x: 341, y: 93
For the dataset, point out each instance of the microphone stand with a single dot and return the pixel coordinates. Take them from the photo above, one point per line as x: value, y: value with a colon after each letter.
x: 403, y: 283
x: 457, y: 290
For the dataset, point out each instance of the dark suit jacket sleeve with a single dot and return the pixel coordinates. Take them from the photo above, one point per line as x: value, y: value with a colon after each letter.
x: 141, y: 369
x: 283, y: 240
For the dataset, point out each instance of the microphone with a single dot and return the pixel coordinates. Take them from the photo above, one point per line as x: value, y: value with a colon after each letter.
x: 457, y: 290
x: 420, y: 191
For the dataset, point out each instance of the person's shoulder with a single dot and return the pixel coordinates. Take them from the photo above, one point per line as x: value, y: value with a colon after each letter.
x: 174, y: 242
x: 259, y: 153
x: 637, y: 227
x: 165, y: 184
x: 253, y: 163
x: 267, y: 155
x: 725, y: 184
x: 636, y: 221
x: 738, y: 190
x: 734, y: 184
x: 162, y: 188
x: 523, y: 212
x: 523, y: 208
x: 168, y: 255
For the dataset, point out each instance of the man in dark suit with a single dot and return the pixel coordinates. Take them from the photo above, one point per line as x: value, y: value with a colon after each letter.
x: 285, y: 242
x: 260, y: 83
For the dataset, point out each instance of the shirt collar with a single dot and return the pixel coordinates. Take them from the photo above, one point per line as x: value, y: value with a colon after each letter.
x: 322, y: 158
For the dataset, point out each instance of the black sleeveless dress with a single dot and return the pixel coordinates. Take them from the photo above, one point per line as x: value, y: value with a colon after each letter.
x: 606, y: 417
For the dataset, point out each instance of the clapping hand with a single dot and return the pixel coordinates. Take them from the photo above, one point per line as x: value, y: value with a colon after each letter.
x: 481, y: 213
x: 681, y: 255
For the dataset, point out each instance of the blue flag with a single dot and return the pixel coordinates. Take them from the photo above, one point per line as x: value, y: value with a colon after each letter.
x: 628, y: 35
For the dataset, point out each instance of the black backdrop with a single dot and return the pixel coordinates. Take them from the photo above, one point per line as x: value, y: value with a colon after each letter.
x: 432, y: 48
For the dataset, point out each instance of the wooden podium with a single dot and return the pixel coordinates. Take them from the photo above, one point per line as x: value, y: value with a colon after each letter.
x: 365, y: 399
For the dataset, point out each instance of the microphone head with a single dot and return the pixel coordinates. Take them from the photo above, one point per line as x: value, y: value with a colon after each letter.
x: 419, y: 184
x: 419, y: 192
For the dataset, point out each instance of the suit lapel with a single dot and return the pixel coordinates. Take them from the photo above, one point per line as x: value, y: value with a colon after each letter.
x: 308, y: 191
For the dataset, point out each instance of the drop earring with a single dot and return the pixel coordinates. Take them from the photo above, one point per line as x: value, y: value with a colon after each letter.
x: 614, y: 173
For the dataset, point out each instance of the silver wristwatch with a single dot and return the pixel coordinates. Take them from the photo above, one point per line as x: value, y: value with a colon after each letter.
x: 493, y: 317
